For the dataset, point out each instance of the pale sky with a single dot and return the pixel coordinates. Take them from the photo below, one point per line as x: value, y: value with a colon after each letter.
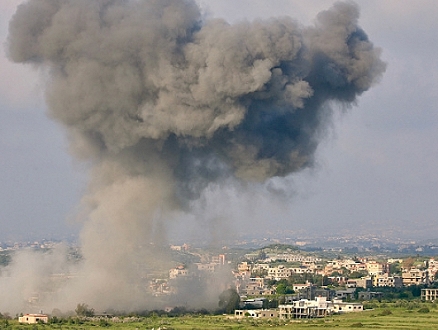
x: 376, y: 169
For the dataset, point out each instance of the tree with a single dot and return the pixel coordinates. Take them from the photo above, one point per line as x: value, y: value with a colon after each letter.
x: 84, y: 310
x: 408, y: 263
x: 283, y: 288
x: 229, y: 301
x: 358, y: 274
x: 395, y: 268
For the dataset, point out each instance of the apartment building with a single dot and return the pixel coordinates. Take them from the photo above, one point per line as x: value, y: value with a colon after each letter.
x: 415, y: 276
x: 388, y: 281
x: 375, y: 268
x: 280, y: 272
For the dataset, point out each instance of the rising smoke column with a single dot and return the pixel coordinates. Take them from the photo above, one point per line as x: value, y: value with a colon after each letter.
x: 163, y: 103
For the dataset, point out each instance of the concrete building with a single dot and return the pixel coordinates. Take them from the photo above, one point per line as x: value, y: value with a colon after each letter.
x: 299, y: 286
x: 244, y: 266
x: 415, y: 276
x: 340, y: 307
x: 329, y: 294
x: 33, y: 318
x: 429, y: 294
x: 219, y: 259
x: 280, y: 272
x: 375, y: 268
x: 178, y: 272
x: 256, y: 303
x: 388, y: 281
x: 433, y: 269
x: 364, y: 282
x: 345, y: 294
x: 304, y: 309
x: 256, y: 286
x: 369, y: 295
x: 256, y: 313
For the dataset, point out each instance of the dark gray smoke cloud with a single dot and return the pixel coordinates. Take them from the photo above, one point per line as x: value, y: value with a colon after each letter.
x: 163, y: 102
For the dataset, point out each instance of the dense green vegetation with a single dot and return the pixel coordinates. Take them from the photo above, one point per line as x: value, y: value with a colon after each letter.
x: 396, y: 315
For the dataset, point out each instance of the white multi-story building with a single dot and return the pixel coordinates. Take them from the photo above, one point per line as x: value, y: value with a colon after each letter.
x: 305, y: 309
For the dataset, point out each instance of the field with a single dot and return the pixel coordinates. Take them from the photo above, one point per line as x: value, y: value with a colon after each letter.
x: 384, y: 317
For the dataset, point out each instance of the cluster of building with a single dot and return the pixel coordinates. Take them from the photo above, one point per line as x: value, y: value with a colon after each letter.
x: 311, y: 300
x: 164, y: 286
x: 303, y: 309
x: 43, y: 244
x: 254, y: 277
x: 373, y: 273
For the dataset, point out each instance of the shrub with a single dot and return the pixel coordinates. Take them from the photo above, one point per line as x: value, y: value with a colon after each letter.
x: 104, y: 323
x: 357, y: 325
x: 424, y: 310
x: 385, y: 312
x: 412, y: 304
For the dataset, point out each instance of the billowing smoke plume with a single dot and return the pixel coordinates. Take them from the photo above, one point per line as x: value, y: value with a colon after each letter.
x: 163, y: 102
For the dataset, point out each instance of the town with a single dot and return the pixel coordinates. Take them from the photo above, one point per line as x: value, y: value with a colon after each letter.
x: 281, y: 280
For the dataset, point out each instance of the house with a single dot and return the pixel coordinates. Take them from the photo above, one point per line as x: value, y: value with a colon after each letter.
x: 432, y: 268
x: 178, y: 272
x: 256, y: 286
x: 364, y: 282
x: 346, y: 307
x: 329, y: 294
x: 244, y: 267
x: 210, y: 267
x: 268, y: 313
x: 415, y: 276
x: 33, y: 318
x: 369, y: 295
x: 345, y: 294
x: 351, y: 284
x: 256, y: 303
x: 219, y: 259
x: 256, y: 313
x: 356, y: 267
x: 240, y: 313
x: 298, y: 286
